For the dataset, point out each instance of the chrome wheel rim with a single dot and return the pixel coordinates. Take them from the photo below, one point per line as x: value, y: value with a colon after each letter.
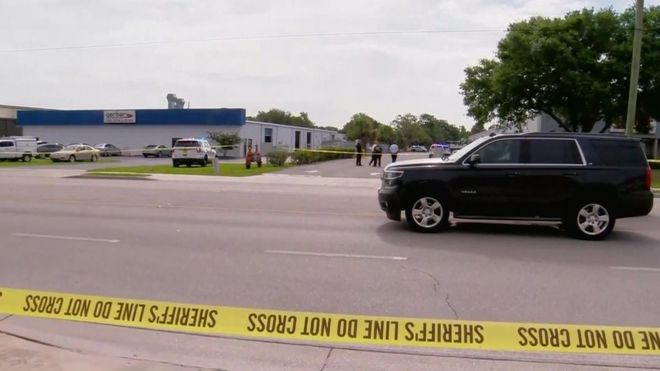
x: 427, y: 212
x: 593, y: 219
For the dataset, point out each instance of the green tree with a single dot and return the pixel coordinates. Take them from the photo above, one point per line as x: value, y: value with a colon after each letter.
x: 575, y: 69
x: 225, y: 140
x: 278, y: 116
x: 410, y: 130
x: 361, y: 127
x: 440, y: 130
x: 477, y: 128
x: 649, y: 79
x: 386, y: 134
x: 334, y: 128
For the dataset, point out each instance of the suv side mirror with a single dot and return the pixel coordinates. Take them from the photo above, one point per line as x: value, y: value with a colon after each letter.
x: 474, y: 159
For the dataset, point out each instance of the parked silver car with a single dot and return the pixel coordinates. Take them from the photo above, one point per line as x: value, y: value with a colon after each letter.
x: 108, y: 149
x: 159, y: 150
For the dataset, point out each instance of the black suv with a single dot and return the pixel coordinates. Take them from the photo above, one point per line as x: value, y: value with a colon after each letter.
x: 584, y: 181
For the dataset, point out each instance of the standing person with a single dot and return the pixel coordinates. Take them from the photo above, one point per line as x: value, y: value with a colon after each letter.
x: 372, y: 149
x: 394, y: 151
x: 358, y: 153
x: 378, y: 153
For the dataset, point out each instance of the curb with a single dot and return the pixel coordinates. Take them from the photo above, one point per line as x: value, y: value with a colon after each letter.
x: 112, y: 176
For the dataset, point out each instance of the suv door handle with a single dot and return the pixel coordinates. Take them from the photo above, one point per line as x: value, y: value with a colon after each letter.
x: 571, y: 173
x: 513, y: 174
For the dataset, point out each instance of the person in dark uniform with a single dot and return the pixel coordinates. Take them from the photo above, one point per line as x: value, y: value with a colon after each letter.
x: 358, y: 153
x: 377, y: 154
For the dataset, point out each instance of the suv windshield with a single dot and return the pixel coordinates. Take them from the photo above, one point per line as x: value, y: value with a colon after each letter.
x: 461, y: 152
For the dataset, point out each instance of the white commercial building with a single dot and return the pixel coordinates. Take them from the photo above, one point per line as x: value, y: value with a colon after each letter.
x: 134, y: 129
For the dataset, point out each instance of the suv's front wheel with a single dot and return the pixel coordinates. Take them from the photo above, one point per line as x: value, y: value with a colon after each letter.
x: 590, y: 221
x: 427, y: 214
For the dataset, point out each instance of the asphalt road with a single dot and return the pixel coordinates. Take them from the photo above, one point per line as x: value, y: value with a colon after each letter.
x: 203, y: 240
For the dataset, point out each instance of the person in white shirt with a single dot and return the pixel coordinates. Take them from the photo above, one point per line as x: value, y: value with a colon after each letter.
x: 394, y: 151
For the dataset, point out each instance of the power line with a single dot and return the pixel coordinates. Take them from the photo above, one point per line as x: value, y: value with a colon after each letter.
x: 249, y: 38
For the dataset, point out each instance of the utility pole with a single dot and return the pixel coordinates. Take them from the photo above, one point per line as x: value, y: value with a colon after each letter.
x: 634, y: 68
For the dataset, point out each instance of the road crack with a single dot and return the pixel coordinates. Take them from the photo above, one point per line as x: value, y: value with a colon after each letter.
x: 451, y: 306
x: 436, y: 286
x: 327, y: 358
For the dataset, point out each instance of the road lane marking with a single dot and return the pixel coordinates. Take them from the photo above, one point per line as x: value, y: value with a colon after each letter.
x: 639, y: 269
x: 311, y: 171
x: 374, y: 174
x: 72, y: 238
x: 335, y: 255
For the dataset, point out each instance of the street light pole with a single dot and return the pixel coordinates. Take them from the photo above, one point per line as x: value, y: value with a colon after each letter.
x: 634, y: 68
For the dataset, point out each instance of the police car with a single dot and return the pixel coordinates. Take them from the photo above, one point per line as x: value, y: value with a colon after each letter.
x: 192, y: 151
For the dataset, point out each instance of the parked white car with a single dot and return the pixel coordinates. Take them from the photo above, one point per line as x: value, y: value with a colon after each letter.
x: 192, y: 152
x: 14, y: 148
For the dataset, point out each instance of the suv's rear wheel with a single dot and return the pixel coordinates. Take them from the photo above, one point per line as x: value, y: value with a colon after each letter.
x: 590, y: 221
x: 426, y: 214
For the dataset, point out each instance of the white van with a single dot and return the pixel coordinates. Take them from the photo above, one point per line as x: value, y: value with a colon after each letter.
x: 14, y: 148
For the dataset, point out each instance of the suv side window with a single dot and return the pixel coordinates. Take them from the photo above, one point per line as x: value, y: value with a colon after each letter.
x: 505, y: 151
x: 619, y: 153
x: 552, y: 151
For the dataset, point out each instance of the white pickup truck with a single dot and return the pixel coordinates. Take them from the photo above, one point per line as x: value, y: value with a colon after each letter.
x: 15, y: 148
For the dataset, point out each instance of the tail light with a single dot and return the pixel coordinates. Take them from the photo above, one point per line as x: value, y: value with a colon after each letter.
x: 649, y: 178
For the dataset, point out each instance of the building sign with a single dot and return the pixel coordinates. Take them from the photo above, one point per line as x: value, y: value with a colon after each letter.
x: 119, y: 117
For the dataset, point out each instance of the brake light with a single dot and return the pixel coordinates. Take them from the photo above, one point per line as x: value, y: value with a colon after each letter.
x: 649, y: 178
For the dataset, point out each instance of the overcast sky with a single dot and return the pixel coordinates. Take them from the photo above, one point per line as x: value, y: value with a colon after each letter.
x: 82, y: 54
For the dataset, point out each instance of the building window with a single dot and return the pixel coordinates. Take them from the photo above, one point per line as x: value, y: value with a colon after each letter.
x: 309, y: 140
x: 268, y: 135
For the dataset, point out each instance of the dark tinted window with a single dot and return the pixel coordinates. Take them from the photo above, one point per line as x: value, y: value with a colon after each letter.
x: 268, y: 135
x: 618, y: 152
x: 505, y: 151
x: 6, y: 144
x: 50, y: 146
x: 552, y: 151
x: 187, y: 143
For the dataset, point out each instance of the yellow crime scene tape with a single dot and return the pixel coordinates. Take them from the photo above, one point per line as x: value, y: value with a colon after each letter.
x: 220, y: 147
x: 332, y: 328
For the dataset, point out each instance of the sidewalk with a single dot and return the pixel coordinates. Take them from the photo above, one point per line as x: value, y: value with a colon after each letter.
x: 17, y: 354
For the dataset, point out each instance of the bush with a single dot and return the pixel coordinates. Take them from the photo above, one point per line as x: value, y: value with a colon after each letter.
x: 305, y: 156
x: 278, y: 157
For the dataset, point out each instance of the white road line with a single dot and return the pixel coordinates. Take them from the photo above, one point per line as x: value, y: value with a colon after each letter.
x: 639, y: 269
x: 332, y: 255
x: 374, y: 173
x: 65, y: 237
x: 312, y: 171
